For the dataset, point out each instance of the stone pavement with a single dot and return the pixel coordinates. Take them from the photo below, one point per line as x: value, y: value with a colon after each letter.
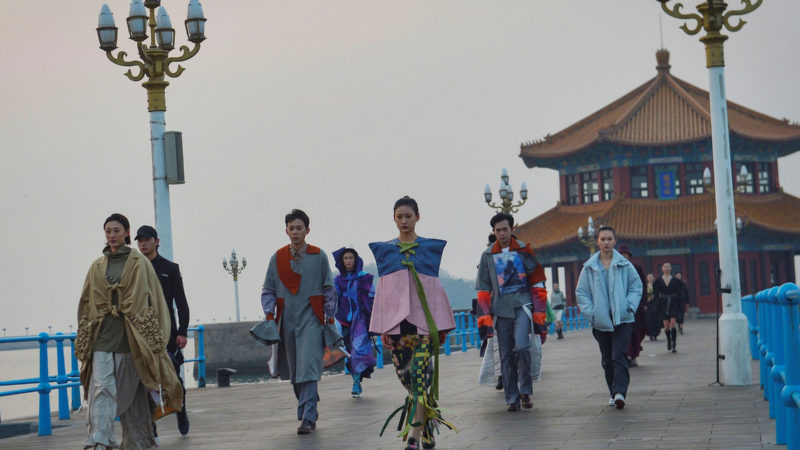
x: 671, y: 405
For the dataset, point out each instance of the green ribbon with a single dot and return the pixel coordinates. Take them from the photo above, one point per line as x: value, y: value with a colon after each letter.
x: 408, y: 249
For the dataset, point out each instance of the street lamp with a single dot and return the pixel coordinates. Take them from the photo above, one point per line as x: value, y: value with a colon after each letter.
x: 235, y: 270
x: 4, y: 332
x: 506, y: 195
x: 589, y: 238
x: 49, y: 329
x: 26, y: 331
x: 712, y: 17
x: 154, y: 63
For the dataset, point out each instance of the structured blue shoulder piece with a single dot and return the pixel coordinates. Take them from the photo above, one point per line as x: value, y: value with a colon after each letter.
x: 426, y: 256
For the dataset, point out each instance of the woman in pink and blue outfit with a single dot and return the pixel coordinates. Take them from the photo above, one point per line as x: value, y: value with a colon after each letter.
x: 413, y: 315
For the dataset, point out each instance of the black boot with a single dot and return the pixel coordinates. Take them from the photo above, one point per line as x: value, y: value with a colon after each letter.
x: 674, y: 339
x: 560, y: 334
x: 669, y: 339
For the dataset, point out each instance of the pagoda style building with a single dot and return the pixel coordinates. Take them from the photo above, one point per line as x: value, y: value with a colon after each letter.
x: 637, y: 165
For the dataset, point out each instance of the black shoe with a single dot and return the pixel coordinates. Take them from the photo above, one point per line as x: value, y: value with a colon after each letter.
x: 514, y: 407
x: 306, y: 427
x: 428, y: 441
x: 499, y: 385
x: 183, y: 422
x: 412, y: 444
x: 526, y: 401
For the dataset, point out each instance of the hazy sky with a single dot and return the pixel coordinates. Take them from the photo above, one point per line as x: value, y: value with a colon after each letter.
x: 336, y: 107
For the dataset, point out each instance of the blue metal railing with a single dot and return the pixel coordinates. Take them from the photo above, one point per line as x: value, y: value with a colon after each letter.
x: 201, y: 355
x: 62, y: 379
x: 773, y: 317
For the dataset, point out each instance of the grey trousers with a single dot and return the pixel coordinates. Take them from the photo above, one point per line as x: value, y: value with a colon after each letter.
x: 514, y: 341
x: 307, y: 398
x: 116, y: 390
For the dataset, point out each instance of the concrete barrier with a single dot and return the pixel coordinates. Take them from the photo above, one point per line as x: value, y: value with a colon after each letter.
x: 230, y: 345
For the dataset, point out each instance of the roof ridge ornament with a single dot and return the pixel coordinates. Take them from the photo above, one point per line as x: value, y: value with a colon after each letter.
x: 662, y: 58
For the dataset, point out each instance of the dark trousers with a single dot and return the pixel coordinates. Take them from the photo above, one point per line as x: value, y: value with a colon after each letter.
x: 613, y: 349
x: 177, y: 361
x: 307, y: 399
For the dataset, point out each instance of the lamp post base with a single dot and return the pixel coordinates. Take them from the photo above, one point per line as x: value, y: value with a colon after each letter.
x: 734, y: 345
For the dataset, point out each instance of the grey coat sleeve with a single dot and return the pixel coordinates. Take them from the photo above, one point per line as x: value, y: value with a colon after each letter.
x: 268, y: 297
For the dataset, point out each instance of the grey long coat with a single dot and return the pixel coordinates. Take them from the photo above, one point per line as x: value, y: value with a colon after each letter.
x: 301, y: 348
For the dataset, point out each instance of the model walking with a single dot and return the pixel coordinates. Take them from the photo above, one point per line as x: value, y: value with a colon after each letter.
x: 668, y: 291
x: 354, y: 289
x: 413, y: 315
x: 609, y: 291
x: 123, y: 330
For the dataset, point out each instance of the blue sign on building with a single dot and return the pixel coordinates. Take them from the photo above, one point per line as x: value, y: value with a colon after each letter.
x: 666, y: 185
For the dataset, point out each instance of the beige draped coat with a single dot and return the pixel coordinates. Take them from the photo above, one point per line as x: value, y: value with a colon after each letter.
x: 147, y: 323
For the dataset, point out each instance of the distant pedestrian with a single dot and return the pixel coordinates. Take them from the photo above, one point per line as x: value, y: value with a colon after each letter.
x: 298, y: 294
x: 413, y: 315
x: 123, y: 328
x: 669, y: 292
x: 651, y: 309
x: 356, y: 295
x: 609, y: 291
x: 684, y: 303
x: 169, y: 274
x: 519, y: 307
x: 639, y: 330
x: 558, y: 303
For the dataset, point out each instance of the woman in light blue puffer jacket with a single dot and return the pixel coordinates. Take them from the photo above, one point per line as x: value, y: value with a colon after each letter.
x: 608, y: 293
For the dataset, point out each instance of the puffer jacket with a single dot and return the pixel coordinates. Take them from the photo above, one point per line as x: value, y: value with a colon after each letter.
x: 607, y: 309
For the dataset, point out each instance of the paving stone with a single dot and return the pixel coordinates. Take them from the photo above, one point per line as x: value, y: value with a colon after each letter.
x: 672, y: 404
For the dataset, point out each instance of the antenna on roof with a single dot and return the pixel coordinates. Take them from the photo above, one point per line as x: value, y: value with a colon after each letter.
x: 660, y: 31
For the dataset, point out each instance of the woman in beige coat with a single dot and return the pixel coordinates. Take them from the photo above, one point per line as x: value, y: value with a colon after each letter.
x: 123, y: 327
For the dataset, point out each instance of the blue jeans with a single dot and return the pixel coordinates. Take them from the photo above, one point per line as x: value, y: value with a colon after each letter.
x: 614, y: 354
x: 514, y: 342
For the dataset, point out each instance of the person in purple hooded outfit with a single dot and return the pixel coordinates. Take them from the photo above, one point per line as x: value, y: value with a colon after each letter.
x: 356, y: 295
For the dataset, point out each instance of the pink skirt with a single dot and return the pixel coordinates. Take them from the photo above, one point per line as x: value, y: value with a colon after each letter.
x: 396, y: 300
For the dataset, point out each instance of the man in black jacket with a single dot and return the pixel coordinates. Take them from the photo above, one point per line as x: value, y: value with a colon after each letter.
x: 171, y: 283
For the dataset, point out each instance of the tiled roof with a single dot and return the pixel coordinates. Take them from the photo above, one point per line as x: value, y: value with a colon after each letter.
x: 652, y: 219
x: 663, y: 111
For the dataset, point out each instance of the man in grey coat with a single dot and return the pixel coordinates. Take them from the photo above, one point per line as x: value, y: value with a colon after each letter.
x: 298, y: 293
x: 609, y: 290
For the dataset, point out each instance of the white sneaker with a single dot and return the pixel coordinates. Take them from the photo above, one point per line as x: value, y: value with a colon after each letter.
x: 619, y: 401
x: 611, y: 402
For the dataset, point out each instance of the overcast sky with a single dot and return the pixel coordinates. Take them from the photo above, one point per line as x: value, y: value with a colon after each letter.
x: 336, y: 107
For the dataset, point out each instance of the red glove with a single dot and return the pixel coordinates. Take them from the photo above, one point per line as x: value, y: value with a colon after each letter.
x: 270, y: 316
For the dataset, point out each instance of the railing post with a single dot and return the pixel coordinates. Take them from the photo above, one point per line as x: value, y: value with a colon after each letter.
x: 201, y: 357
x: 44, y: 387
x: 788, y: 298
x: 75, y: 373
x: 776, y: 361
x: 379, y: 359
x: 447, y: 344
x: 749, y: 309
x: 762, y: 342
x: 61, y: 378
x: 473, y: 330
x: 463, y: 326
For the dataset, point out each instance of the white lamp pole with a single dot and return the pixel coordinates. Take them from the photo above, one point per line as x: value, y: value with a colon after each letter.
x: 154, y: 64
x: 235, y: 270
x: 733, y: 345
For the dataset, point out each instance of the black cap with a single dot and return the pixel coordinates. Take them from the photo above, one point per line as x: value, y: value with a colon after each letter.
x: 146, y: 231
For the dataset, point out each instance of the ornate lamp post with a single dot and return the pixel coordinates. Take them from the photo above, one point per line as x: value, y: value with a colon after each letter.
x: 712, y: 17
x: 589, y: 238
x: 154, y: 63
x: 506, y: 196
x: 235, y: 270
x: 4, y: 332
